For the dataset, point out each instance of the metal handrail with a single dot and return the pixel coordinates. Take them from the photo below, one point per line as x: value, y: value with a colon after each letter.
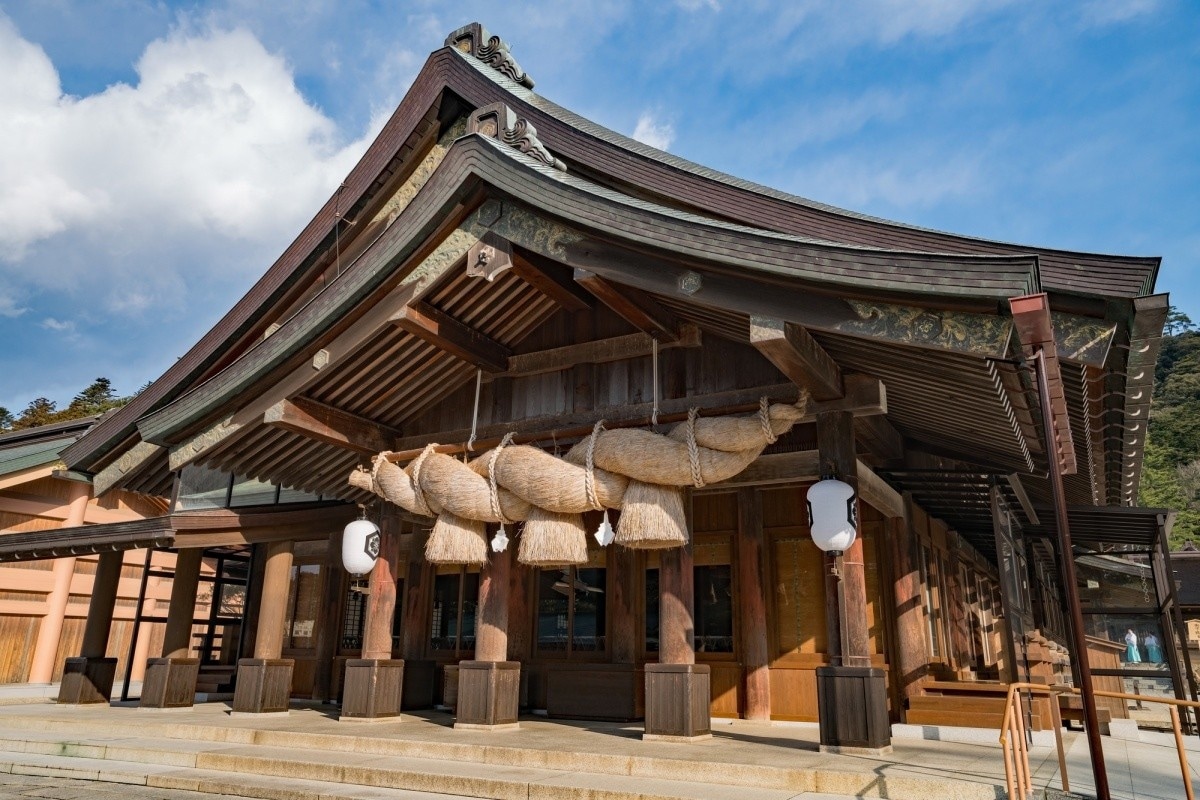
x: 1016, y: 752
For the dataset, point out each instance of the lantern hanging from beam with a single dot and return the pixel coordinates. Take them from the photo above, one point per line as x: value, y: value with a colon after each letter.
x: 360, y: 546
x: 832, y: 515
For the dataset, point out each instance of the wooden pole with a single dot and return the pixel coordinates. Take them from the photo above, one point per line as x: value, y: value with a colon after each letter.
x: 177, y: 640
x: 676, y: 622
x: 520, y: 612
x: 847, y: 595
x: 381, y: 601
x: 45, y: 649
x: 623, y: 583
x: 272, y: 608
x: 752, y: 605
x: 491, y: 635
x: 104, y: 600
x: 912, y: 657
x: 1066, y: 561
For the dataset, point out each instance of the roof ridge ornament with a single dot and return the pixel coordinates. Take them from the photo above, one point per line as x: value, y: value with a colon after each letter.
x: 500, y: 122
x: 474, y: 40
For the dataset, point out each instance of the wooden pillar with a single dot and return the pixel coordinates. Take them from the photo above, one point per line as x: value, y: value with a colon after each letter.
x: 625, y: 577
x: 752, y: 605
x: 676, y: 596
x: 851, y: 694
x: 329, y: 625
x: 374, y: 682
x: 45, y: 649
x: 489, y: 687
x: 835, y: 443
x: 170, y: 681
x: 381, y: 600
x: 89, y: 678
x: 491, y: 633
x: 959, y: 610
x: 677, y: 688
x: 912, y: 658
x: 264, y: 682
x: 177, y: 639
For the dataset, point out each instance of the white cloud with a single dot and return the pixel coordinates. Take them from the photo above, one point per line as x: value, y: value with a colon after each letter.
x: 861, y: 181
x: 52, y: 324
x: 1109, y: 12
x: 654, y: 132
x: 213, y: 146
x: 696, y: 5
x: 10, y: 303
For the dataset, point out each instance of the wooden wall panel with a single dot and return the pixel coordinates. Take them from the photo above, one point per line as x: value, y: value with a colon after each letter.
x: 725, y: 681
x: 17, y: 637
x: 794, y: 693
x: 797, y: 599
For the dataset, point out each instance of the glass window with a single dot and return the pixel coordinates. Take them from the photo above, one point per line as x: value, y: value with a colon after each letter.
x: 1136, y: 642
x: 1113, y: 582
x: 713, y: 609
x: 353, y: 618
x: 571, y: 610
x: 455, y: 602
x: 287, y: 495
x: 201, y: 487
x: 251, y: 492
x: 932, y: 599
x: 304, y: 603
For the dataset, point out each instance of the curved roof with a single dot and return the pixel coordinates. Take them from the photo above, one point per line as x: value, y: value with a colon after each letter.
x: 624, y: 200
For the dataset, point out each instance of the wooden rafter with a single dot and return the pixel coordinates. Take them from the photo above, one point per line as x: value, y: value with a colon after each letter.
x: 632, y: 305
x: 798, y: 356
x: 330, y: 425
x: 448, y: 334
x: 597, y: 351
x: 551, y: 279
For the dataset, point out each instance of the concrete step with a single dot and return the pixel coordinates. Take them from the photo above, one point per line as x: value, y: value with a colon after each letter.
x: 500, y: 771
x: 236, y: 773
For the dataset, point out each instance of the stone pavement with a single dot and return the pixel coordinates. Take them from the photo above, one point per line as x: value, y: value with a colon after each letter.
x: 309, y: 755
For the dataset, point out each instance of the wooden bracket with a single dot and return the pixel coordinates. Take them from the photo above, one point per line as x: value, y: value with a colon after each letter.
x: 797, y: 355
x: 330, y: 425
x: 632, y: 305
x: 448, y: 334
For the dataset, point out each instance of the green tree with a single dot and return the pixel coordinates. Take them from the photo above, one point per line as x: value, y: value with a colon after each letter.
x: 6, y: 419
x: 95, y: 399
x: 40, y: 411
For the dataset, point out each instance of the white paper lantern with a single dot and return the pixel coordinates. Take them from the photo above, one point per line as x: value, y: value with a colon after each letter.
x: 360, y: 546
x: 832, y: 515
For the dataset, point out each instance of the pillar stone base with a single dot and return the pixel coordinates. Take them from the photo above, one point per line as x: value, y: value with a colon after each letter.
x: 373, y: 688
x: 488, y: 695
x: 170, y: 683
x: 852, y: 710
x: 263, y: 686
x: 677, y: 702
x: 87, y: 679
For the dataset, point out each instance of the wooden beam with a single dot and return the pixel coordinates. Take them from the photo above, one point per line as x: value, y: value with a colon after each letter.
x: 877, y: 493
x: 564, y: 426
x: 632, y: 305
x: 130, y: 462
x: 797, y: 355
x: 58, y: 509
x: 330, y: 425
x: 448, y: 334
x: 774, y: 468
x: 551, y: 279
x: 879, y: 438
x: 1014, y: 480
x: 26, y: 476
x: 599, y: 351
x: 865, y: 397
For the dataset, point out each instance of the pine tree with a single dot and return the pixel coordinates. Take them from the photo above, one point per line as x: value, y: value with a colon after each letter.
x: 95, y: 399
x: 6, y: 419
x: 40, y: 411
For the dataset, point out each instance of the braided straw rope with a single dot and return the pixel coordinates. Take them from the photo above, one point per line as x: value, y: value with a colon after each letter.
x: 638, y: 471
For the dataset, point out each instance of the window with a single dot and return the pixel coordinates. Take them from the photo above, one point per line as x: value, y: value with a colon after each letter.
x: 201, y: 487
x: 571, y: 610
x: 932, y: 597
x: 304, y: 602
x: 712, y: 609
x: 455, y: 601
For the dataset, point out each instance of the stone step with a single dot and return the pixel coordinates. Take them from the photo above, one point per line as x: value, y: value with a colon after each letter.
x: 276, y: 778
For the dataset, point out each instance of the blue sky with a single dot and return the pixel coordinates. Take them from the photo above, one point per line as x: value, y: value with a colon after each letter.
x: 156, y: 157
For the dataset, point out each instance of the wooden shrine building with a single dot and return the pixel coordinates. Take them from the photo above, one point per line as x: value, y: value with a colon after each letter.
x: 496, y: 264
